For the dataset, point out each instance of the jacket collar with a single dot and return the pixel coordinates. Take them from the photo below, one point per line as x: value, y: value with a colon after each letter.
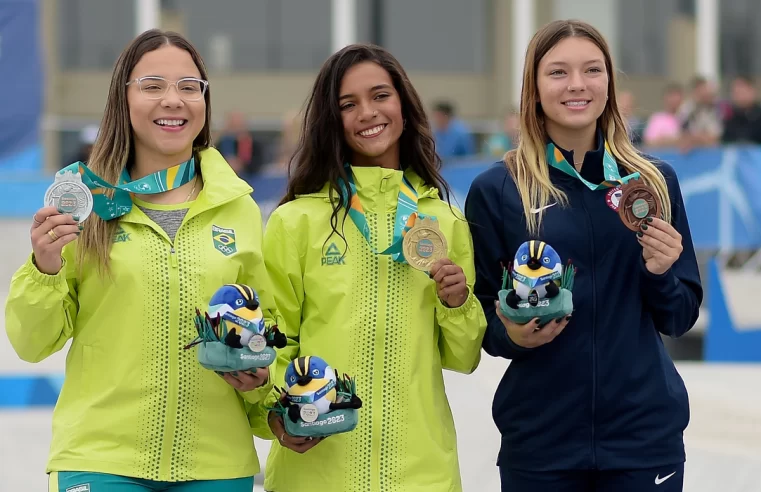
x: 423, y: 189
x: 592, y: 169
x: 220, y: 185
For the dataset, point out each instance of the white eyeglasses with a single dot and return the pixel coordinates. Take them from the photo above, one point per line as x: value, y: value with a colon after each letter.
x: 189, y: 88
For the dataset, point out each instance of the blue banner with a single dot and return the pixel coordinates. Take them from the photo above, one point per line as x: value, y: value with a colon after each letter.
x: 21, y: 97
x: 721, y: 188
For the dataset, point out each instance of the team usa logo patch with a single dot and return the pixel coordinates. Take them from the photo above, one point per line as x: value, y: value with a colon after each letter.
x: 613, y: 197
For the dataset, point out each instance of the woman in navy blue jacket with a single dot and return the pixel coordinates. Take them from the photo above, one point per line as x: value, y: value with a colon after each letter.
x: 593, y: 403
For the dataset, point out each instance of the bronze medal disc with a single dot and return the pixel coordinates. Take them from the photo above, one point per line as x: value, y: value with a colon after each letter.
x: 638, y: 202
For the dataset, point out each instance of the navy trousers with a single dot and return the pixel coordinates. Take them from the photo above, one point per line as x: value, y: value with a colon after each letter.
x: 662, y: 479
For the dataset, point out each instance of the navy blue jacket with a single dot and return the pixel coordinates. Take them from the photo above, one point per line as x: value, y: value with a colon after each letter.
x: 604, y: 394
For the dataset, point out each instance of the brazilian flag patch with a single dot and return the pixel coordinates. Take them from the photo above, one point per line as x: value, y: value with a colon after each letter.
x: 224, y: 240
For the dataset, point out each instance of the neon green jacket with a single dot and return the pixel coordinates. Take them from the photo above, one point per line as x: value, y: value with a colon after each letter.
x: 382, y: 323
x: 134, y: 402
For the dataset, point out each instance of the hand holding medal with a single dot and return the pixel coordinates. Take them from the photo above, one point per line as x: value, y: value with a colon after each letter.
x: 661, y: 245
x: 51, y: 231
x: 68, y: 202
x: 640, y: 211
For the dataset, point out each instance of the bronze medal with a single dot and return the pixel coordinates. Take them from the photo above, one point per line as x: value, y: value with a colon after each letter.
x: 638, y: 202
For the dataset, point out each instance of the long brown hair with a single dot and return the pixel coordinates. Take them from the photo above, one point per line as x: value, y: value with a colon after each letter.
x: 322, y: 150
x: 114, y: 147
x: 528, y: 162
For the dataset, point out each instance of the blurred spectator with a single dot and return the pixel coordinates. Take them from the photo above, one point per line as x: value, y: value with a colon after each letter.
x: 86, y: 140
x: 743, y: 125
x: 287, y: 146
x: 626, y: 105
x: 664, y: 128
x: 453, y: 138
x: 499, y: 143
x: 289, y: 138
x: 236, y: 144
x: 701, y: 116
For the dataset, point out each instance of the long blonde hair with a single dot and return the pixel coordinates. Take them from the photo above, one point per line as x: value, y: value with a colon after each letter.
x: 113, y: 148
x: 528, y: 162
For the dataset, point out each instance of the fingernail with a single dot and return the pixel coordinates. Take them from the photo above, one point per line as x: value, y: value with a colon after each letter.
x: 639, y: 234
x: 81, y: 227
x: 649, y: 219
x: 78, y: 233
x: 568, y: 318
x: 644, y: 227
x: 218, y: 373
x: 235, y: 373
x: 536, y: 321
x: 75, y: 217
x: 558, y: 320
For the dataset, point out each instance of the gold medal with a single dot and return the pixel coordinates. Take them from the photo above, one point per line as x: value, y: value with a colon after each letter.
x: 638, y: 202
x: 424, y: 244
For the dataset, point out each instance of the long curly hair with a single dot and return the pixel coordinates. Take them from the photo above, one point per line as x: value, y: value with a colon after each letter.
x: 322, y: 150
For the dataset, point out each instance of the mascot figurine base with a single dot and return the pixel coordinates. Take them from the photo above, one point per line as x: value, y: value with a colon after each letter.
x: 233, y: 337
x: 541, y: 287
x: 316, y: 401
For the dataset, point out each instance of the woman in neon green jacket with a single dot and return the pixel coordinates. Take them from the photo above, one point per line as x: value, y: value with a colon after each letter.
x: 137, y: 412
x: 366, y: 141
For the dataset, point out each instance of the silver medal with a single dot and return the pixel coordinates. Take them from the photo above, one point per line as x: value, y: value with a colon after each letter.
x: 70, y: 195
x: 309, y: 413
x: 257, y: 343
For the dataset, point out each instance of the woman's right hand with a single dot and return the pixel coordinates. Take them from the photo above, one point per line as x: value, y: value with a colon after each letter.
x: 51, y: 231
x: 298, y: 444
x: 531, y: 335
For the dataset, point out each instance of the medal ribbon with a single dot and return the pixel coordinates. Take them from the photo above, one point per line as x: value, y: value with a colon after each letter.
x: 406, y: 214
x: 613, y: 178
x: 303, y: 399
x: 158, y: 182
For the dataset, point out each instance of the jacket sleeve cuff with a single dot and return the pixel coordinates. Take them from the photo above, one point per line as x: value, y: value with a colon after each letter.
x: 665, y: 281
x: 446, y: 311
x: 59, y: 279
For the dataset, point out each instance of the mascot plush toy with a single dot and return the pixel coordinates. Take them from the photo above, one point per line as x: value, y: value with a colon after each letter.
x: 316, y: 402
x: 536, y: 270
x: 232, y: 334
x: 541, y: 287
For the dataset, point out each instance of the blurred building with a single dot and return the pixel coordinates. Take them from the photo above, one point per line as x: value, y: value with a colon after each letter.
x: 263, y: 54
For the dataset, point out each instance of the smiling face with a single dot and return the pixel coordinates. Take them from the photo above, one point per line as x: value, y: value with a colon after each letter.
x: 371, y: 113
x: 572, y: 82
x: 164, y: 128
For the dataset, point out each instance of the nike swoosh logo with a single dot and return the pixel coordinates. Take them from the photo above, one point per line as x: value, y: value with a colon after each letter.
x: 659, y: 480
x: 537, y: 210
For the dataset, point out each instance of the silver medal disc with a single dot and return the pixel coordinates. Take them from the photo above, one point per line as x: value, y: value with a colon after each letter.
x: 70, y: 195
x: 309, y: 413
x: 257, y: 343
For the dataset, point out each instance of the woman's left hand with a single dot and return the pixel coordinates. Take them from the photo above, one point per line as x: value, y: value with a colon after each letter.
x: 661, y: 245
x: 245, y: 380
x: 450, y: 283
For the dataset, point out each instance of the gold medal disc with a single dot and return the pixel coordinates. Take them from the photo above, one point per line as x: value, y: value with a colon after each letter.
x: 424, y: 244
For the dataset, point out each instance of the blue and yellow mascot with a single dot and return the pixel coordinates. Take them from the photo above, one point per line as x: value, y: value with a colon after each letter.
x: 316, y: 402
x: 232, y: 335
x: 541, y: 286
